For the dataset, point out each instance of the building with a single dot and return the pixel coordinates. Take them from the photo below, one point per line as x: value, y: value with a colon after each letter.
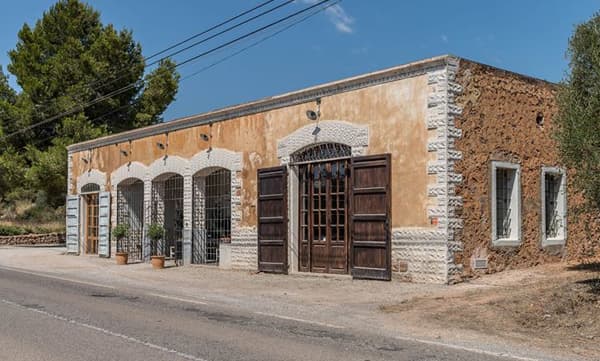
x: 428, y: 171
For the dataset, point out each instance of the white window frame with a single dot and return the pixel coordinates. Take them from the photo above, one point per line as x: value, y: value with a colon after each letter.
x: 515, y: 238
x: 561, y: 239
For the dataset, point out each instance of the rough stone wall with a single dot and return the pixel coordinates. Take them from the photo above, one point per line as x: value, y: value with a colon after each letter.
x: 499, y: 123
x: 33, y: 239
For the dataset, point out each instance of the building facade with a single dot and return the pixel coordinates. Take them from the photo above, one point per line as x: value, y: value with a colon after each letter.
x: 427, y: 172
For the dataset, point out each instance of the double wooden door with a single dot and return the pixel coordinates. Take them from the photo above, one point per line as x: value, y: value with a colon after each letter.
x: 323, y: 215
x: 344, y: 217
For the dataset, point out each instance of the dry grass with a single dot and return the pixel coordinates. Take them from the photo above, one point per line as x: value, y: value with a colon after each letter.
x: 559, y: 310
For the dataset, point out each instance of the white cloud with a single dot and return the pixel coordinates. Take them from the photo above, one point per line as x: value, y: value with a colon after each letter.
x: 338, y: 16
x: 444, y: 38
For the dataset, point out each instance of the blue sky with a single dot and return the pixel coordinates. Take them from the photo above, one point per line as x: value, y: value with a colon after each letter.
x: 528, y: 37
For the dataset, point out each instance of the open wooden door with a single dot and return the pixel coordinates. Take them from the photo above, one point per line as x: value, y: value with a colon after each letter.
x: 104, y: 224
x: 370, y: 215
x: 272, y: 220
x: 72, y: 226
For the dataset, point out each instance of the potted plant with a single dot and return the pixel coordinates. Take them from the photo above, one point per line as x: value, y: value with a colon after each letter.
x: 156, y: 233
x: 120, y: 232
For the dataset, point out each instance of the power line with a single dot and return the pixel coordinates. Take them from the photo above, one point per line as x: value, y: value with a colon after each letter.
x: 132, y: 85
x: 209, y: 29
x: 233, y: 27
x: 103, y: 82
x: 251, y: 33
x: 257, y: 42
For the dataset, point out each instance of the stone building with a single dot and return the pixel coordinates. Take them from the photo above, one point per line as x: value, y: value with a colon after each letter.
x: 427, y: 172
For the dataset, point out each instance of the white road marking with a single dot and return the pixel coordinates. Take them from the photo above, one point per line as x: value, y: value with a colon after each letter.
x: 298, y: 320
x: 107, y: 332
x: 402, y: 338
x: 467, y: 349
x: 177, y: 299
x: 58, y: 278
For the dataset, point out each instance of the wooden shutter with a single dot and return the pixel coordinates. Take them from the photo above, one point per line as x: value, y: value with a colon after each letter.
x: 104, y: 224
x: 72, y: 224
x: 272, y: 220
x: 370, y: 216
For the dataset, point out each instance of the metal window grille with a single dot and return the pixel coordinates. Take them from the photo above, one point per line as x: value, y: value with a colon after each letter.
x: 553, y: 220
x: 167, y: 210
x: 323, y: 151
x: 90, y: 188
x: 211, y: 216
x: 504, y: 186
x: 130, y: 211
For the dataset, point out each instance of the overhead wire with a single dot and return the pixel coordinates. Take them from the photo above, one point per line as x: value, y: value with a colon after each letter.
x: 187, y: 61
x: 104, y: 82
x: 204, y: 40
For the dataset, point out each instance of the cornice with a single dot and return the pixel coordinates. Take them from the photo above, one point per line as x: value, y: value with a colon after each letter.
x: 275, y: 102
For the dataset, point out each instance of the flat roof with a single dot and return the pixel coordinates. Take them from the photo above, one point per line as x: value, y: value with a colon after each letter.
x: 279, y: 101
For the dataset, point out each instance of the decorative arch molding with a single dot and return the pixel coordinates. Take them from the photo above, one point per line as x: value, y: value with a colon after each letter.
x: 129, y: 170
x: 92, y: 176
x: 216, y: 157
x: 168, y: 164
x: 331, y: 131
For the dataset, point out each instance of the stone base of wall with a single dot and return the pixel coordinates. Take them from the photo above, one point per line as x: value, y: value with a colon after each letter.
x: 244, y: 254
x: 33, y: 239
x: 420, y: 255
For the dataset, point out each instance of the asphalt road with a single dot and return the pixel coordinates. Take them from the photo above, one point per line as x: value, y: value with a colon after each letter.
x: 46, y: 319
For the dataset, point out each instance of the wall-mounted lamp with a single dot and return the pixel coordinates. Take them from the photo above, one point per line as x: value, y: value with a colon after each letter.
x: 160, y: 145
x: 85, y: 160
x: 314, y: 115
x: 124, y: 153
x: 205, y: 137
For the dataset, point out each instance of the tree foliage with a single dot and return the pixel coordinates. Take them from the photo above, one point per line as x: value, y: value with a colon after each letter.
x: 69, y: 58
x: 578, y: 121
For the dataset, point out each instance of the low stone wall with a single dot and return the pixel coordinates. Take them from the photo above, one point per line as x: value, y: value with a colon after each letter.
x: 33, y: 239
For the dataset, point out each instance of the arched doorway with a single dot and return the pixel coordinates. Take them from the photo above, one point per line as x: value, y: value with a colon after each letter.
x: 167, y: 210
x: 90, y: 195
x: 323, y: 173
x: 211, y: 215
x: 130, y: 211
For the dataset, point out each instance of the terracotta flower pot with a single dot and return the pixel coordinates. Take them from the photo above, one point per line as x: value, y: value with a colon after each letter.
x: 121, y: 258
x: 158, y: 262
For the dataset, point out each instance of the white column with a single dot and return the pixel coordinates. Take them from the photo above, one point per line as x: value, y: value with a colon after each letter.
x: 187, y: 219
x: 113, y: 219
x: 147, y: 218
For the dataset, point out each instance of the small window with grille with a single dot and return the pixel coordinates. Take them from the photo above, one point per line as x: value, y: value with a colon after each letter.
x: 554, y: 201
x: 506, y: 204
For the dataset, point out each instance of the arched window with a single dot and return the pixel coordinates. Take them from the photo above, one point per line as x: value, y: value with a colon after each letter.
x: 130, y: 211
x: 90, y: 188
x: 167, y: 211
x: 320, y: 152
x: 211, y: 216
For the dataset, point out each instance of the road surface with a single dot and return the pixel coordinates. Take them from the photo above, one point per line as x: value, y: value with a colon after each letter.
x: 47, y: 319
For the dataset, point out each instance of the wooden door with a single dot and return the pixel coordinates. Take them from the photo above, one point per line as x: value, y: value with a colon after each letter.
x: 370, y: 217
x: 272, y: 213
x: 104, y: 224
x: 323, y: 217
x: 72, y: 224
x: 92, y: 226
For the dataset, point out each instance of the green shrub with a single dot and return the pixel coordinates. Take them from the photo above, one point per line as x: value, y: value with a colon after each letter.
x: 8, y: 230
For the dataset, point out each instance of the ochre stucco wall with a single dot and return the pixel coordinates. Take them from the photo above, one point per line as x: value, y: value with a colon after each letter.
x: 394, y: 113
x: 498, y: 122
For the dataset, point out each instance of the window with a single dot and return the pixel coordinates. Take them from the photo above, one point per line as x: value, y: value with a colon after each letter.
x: 506, y: 204
x: 554, y: 202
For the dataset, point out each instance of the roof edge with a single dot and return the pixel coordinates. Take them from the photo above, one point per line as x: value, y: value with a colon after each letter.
x: 273, y: 102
